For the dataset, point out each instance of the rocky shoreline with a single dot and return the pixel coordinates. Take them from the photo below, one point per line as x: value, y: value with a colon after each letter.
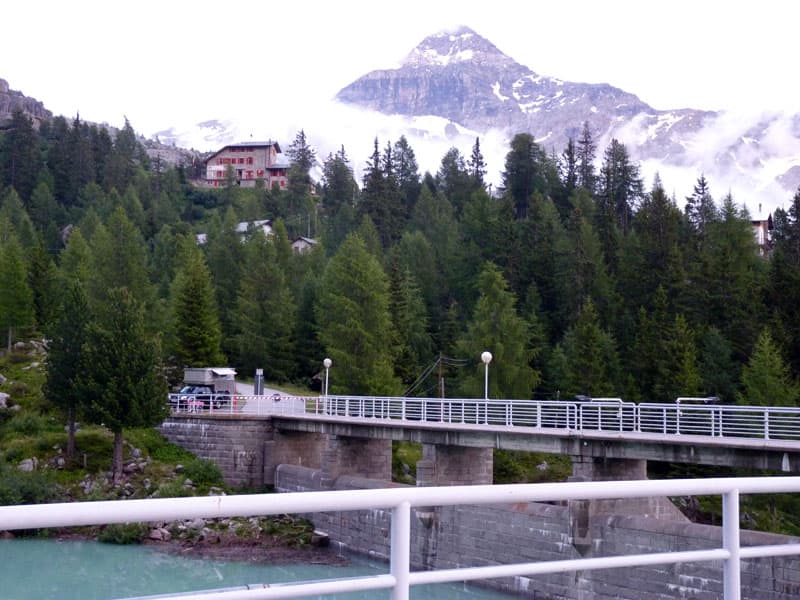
x: 277, y: 540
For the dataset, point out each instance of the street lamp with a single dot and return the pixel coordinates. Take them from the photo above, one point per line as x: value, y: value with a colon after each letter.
x: 486, y: 357
x: 327, y: 364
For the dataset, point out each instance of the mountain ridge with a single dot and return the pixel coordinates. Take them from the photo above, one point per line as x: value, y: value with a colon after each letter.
x: 462, y: 77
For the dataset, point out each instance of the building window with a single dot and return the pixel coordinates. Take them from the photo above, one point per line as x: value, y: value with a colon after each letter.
x: 249, y: 160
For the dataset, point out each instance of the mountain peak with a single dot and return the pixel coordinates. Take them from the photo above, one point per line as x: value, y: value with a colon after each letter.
x: 448, y: 47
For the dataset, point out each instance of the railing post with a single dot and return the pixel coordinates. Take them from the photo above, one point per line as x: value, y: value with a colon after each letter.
x: 400, y: 565
x: 766, y: 423
x: 731, y: 574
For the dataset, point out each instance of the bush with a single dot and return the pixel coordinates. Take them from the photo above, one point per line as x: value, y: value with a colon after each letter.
x: 29, y: 424
x: 18, y: 487
x: 203, y: 473
x: 173, y: 489
x: 155, y: 445
x: 123, y: 533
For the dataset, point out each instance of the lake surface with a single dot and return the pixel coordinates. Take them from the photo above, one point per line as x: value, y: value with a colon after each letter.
x: 34, y: 569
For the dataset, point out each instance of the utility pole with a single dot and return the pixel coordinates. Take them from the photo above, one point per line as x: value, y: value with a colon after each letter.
x: 441, y: 377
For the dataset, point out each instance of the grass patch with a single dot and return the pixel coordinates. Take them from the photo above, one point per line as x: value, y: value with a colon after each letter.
x: 123, y: 533
x: 152, y: 443
x: 513, y: 466
x: 405, y: 456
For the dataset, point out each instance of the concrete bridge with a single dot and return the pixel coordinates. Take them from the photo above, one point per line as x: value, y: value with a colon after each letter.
x: 344, y: 443
x: 607, y: 440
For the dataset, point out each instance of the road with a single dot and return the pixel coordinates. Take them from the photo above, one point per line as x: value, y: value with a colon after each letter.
x: 285, y: 404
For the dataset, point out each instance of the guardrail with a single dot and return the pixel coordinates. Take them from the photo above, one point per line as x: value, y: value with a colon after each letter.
x: 758, y: 422
x: 401, y: 500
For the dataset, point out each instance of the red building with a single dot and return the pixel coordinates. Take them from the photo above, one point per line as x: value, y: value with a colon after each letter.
x: 249, y: 161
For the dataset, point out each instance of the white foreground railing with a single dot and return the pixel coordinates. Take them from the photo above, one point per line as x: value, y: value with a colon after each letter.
x: 717, y: 421
x: 401, y: 500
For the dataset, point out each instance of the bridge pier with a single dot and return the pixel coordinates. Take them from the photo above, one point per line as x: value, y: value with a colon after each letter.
x: 454, y: 465
x: 364, y: 457
x: 582, y: 512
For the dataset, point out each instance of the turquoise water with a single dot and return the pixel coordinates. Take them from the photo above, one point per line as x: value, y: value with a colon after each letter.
x: 32, y: 569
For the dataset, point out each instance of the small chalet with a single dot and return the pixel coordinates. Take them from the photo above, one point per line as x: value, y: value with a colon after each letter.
x: 762, y: 230
x: 302, y: 245
x: 250, y: 162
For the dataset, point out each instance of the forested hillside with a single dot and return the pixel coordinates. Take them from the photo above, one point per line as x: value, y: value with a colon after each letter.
x: 579, y: 279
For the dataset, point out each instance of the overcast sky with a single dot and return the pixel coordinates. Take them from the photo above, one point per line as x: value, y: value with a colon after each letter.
x: 166, y: 62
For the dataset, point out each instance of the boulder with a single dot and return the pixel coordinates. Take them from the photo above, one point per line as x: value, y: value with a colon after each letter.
x: 28, y: 465
x: 4, y: 399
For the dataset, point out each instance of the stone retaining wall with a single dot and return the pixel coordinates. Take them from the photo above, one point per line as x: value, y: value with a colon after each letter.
x: 449, y: 537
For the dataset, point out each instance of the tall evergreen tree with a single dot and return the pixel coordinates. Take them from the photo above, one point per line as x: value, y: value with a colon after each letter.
x: 590, y: 362
x: 524, y: 174
x: 700, y: 208
x: 225, y: 261
x: 586, y: 152
x: 265, y: 313
x: 194, y: 312
x: 766, y: 379
x: 718, y: 369
x: 20, y: 157
x: 64, y: 356
x: 120, y: 383
x: 407, y: 174
x: 355, y: 326
x: 380, y: 196
x: 477, y: 165
x: 119, y: 259
x: 454, y: 180
x: 410, y: 319
x: 620, y: 186
x: 16, y: 299
x: 497, y: 327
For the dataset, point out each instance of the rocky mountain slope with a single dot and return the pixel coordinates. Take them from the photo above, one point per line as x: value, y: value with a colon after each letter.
x: 11, y: 100
x: 464, y: 78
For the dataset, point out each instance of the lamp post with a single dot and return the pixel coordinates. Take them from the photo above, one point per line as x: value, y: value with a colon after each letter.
x: 327, y: 362
x: 486, y: 357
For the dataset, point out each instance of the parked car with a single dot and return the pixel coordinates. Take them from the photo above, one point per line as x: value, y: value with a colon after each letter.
x: 196, y: 398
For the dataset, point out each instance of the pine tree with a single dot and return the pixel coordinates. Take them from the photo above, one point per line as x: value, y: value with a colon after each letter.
x: 265, y: 313
x: 477, y: 165
x: 16, y: 299
x: 586, y: 154
x: 653, y: 253
x: 766, y: 379
x: 569, y: 168
x: 64, y: 356
x: 407, y: 173
x: 590, y: 357
x: 620, y: 186
x: 225, y: 261
x: 380, y: 196
x: 453, y: 180
x: 410, y: 320
x: 355, y: 327
x: 497, y: 327
x: 718, y: 369
x: 700, y: 208
x: 524, y: 174
x: 119, y: 259
x: 20, y: 157
x: 194, y: 312
x: 120, y: 383
x: 14, y: 220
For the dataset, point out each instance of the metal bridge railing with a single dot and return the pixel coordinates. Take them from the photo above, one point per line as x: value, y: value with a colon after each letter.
x: 612, y: 415
x: 400, y: 501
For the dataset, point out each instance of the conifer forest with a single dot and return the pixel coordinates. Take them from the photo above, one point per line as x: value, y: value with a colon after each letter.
x: 576, y: 274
